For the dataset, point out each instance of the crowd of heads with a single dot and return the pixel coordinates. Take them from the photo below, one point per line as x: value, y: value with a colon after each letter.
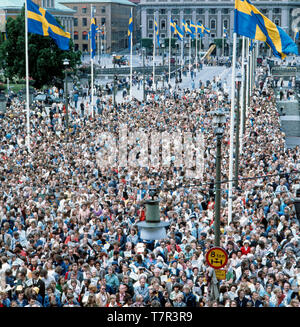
x: 69, y: 234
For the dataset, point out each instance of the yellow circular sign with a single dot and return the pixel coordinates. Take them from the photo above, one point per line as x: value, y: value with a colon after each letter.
x: 216, y: 257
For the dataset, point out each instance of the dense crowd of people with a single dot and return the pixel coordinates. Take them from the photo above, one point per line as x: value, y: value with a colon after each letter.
x: 69, y: 234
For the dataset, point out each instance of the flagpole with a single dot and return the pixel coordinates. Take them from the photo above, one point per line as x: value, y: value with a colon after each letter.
x: 100, y: 49
x: 196, y: 49
x: 98, y: 35
x: 27, y: 78
x: 131, y: 45
x: 242, y: 95
x: 154, y: 87
x: 181, y: 59
x: 170, y: 53
x: 247, y: 79
x: 92, y: 70
x: 189, y: 54
x: 223, y: 42
x: 231, y: 130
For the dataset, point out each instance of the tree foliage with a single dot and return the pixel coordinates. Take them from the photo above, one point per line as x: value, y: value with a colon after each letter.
x: 45, y: 58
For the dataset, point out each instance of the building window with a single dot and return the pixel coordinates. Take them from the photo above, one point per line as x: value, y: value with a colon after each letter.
x: 102, y: 20
x: 212, y: 11
x: 200, y: 11
x: 84, y: 21
x: 84, y: 10
x: 277, y: 10
x: 76, y: 47
x: 163, y: 36
x: 75, y: 21
x: 200, y: 22
x: 85, y: 35
x: 213, y: 24
x: 264, y: 11
x: 150, y: 35
x: 187, y: 11
x: 75, y: 35
x: 175, y: 11
x: 277, y: 22
x: 163, y: 24
x: 103, y: 10
x: 225, y: 11
x: 162, y: 11
x: 225, y: 23
x: 85, y: 47
x: 150, y: 24
x: 213, y: 35
x: 150, y: 11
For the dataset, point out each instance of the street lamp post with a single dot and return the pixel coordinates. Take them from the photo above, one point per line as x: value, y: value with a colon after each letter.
x: 66, y: 64
x: 219, y: 121
x: 237, y: 128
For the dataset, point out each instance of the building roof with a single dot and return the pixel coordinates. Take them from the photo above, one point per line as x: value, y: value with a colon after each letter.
x: 121, y: 2
x: 18, y: 4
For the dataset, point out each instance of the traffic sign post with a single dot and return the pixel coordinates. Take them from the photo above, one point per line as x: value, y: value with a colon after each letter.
x: 216, y: 257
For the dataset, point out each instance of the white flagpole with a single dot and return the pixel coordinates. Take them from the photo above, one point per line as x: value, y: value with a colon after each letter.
x: 131, y: 45
x: 98, y: 35
x: 181, y: 59
x: 247, y: 79
x: 189, y: 54
x: 27, y: 77
x: 92, y: 74
x: 170, y: 53
x: 223, y: 41
x: 242, y: 95
x: 231, y: 130
x: 196, y: 48
x: 154, y: 87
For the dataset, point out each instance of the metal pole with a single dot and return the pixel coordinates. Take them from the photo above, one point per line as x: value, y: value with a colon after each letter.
x: 242, y: 93
x: 27, y: 78
x: 247, y: 80
x: 196, y: 49
x: 231, y: 130
x: 131, y: 45
x: 237, y: 137
x: 66, y: 103
x: 169, y: 55
x: 218, y: 193
x: 189, y: 54
x: 144, y: 95
x: 114, y: 84
x: 153, y: 73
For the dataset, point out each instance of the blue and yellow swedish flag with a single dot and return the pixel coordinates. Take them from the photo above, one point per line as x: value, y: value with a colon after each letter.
x: 297, y: 35
x: 202, y: 29
x: 250, y: 22
x: 156, y: 32
x: 42, y: 23
x: 130, y: 30
x: 187, y: 29
x: 92, y: 35
x: 193, y: 27
x: 176, y: 30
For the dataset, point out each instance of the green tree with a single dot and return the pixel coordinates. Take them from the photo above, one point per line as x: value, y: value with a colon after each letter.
x: 45, y: 58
